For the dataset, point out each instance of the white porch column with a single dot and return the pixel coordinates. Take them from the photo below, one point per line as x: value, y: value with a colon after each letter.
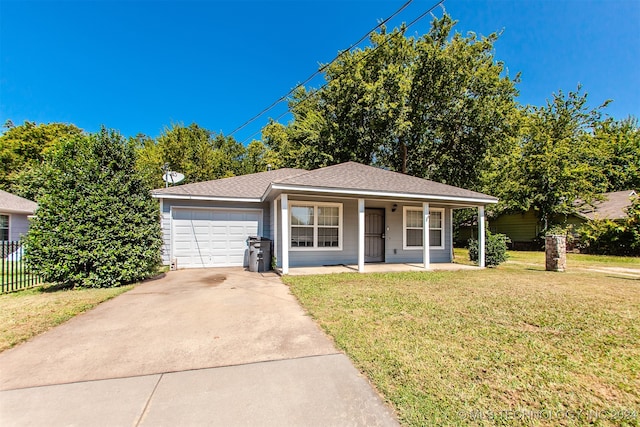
x: 361, y: 235
x: 426, y: 258
x: 274, y: 212
x: 481, y: 237
x: 284, y: 211
x: 450, y: 229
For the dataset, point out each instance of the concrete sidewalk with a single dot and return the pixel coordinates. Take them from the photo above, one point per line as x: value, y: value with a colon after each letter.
x: 198, y: 347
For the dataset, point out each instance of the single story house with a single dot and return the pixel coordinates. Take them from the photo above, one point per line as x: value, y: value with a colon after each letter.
x: 14, y: 216
x: 348, y: 213
x: 525, y: 227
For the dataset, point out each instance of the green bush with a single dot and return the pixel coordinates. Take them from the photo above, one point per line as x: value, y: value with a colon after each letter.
x: 495, y: 249
x: 96, y: 224
x: 607, y: 237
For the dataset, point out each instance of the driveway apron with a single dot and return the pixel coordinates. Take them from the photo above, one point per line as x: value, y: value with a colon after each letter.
x: 196, y: 347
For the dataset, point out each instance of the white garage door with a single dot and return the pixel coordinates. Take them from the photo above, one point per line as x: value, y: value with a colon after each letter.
x: 213, y: 237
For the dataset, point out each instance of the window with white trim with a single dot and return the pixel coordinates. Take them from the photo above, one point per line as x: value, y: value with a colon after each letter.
x: 4, y: 228
x: 316, y: 226
x: 413, y: 228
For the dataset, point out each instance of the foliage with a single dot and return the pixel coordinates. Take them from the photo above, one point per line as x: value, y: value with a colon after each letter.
x: 437, y: 106
x: 23, y: 149
x: 96, y: 224
x: 617, y: 152
x: 607, y: 237
x: 495, y: 249
x: 259, y: 158
x: 199, y: 154
x: 551, y: 167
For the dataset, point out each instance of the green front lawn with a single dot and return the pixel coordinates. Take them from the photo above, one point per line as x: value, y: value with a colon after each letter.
x: 514, y: 345
x: 461, y: 256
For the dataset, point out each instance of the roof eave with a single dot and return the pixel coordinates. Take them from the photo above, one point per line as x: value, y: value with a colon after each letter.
x: 17, y: 211
x: 353, y: 192
x: 209, y: 198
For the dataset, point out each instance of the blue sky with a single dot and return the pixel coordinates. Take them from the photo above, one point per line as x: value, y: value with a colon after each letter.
x: 138, y: 66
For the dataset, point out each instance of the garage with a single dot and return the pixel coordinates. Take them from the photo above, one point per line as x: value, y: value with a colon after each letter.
x: 213, y: 237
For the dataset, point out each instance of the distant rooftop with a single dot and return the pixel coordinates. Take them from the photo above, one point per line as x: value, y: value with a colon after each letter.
x: 613, y: 206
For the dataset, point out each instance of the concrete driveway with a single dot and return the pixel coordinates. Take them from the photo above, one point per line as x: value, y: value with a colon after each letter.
x: 197, y: 347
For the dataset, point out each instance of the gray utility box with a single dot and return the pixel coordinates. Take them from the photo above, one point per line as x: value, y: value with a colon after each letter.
x: 259, y: 254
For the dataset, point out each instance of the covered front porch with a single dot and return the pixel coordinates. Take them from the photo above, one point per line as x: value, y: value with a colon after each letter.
x: 338, y: 233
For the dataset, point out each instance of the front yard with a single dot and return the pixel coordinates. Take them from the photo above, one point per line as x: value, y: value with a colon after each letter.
x: 29, y: 312
x: 514, y: 345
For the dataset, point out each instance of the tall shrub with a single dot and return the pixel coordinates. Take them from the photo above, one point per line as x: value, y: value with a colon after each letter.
x: 96, y: 224
x: 495, y: 249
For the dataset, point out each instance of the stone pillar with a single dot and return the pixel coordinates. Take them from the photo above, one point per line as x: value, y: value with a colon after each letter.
x: 556, y: 252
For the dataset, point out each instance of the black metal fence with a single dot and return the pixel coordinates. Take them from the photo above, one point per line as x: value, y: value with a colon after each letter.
x: 14, y: 271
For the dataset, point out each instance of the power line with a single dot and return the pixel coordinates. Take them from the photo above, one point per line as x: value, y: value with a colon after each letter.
x: 310, y: 94
x: 321, y: 69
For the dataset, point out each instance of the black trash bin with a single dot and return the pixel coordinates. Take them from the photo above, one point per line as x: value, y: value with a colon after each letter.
x: 259, y: 254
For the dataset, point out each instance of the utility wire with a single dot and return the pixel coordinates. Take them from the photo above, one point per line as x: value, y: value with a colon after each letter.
x: 310, y: 94
x: 321, y: 69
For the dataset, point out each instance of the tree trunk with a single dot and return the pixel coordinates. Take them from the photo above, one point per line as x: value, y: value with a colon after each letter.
x: 404, y: 157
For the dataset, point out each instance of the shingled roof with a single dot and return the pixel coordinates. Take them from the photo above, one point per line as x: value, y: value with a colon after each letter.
x: 363, y: 178
x: 252, y: 186
x: 345, y: 177
x: 613, y: 206
x: 11, y: 203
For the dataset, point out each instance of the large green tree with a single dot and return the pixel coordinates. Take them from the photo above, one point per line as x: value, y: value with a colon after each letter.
x: 96, y: 224
x: 192, y: 150
x: 551, y: 168
x: 23, y: 150
x: 617, y: 144
x: 437, y: 106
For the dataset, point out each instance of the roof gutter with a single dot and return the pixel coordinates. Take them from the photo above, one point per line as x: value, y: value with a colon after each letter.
x: 16, y: 211
x: 210, y: 198
x: 344, y: 191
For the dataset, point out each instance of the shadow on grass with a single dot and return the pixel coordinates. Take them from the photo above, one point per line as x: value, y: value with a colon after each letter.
x: 623, y: 277
x: 45, y: 289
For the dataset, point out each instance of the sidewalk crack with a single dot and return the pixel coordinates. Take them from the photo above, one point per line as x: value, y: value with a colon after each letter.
x: 146, y: 406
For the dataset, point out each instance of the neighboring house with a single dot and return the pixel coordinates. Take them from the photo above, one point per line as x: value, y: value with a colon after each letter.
x: 524, y: 228
x: 614, y: 206
x: 14, y: 216
x: 342, y: 214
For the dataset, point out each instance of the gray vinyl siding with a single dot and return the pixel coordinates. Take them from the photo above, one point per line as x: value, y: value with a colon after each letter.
x: 18, y: 225
x: 165, y: 219
x: 394, y: 252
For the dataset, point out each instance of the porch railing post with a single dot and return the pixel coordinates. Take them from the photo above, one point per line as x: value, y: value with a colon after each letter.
x: 426, y: 256
x: 284, y: 208
x: 361, y: 235
x: 481, y: 237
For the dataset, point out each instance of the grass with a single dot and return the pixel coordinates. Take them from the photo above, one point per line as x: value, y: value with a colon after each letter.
x: 29, y: 312
x: 513, y: 345
x: 581, y: 261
